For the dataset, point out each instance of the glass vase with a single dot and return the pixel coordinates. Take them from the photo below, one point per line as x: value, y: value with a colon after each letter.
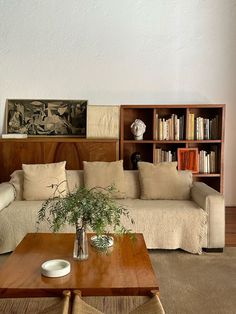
x: 80, y: 244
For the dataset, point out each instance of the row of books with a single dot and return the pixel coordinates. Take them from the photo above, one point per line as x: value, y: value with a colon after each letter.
x: 200, y: 128
x: 207, y: 159
x: 170, y: 129
x: 161, y: 155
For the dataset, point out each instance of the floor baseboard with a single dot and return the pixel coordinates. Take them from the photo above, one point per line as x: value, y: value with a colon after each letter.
x: 214, y: 250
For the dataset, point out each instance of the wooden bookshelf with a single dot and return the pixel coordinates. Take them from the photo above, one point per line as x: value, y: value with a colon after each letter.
x: 149, y: 114
x: 14, y: 152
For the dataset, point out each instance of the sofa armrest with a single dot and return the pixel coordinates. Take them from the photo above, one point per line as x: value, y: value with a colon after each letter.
x: 7, y: 194
x: 213, y: 203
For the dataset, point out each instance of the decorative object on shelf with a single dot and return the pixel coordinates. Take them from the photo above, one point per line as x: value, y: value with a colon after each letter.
x: 188, y: 159
x: 135, y: 158
x: 85, y: 208
x: 138, y: 128
x: 46, y: 117
x: 14, y: 135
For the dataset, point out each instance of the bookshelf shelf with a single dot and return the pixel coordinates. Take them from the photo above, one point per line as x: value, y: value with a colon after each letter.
x: 206, y: 175
x: 171, y: 142
x: 169, y: 127
x: 138, y: 142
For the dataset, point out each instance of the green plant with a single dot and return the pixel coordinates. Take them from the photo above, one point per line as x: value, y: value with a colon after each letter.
x: 88, y: 208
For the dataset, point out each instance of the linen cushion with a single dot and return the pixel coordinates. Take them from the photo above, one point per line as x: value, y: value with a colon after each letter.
x: 41, y: 180
x: 163, y: 181
x: 103, y: 174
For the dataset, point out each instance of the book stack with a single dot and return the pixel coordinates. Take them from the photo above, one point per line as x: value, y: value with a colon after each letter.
x: 14, y: 135
x: 207, y: 161
x: 161, y: 155
x: 170, y: 129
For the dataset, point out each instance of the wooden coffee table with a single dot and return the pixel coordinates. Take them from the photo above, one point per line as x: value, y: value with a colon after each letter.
x: 126, y: 270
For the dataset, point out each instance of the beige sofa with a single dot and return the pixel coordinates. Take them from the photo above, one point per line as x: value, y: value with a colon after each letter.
x: 191, y: 225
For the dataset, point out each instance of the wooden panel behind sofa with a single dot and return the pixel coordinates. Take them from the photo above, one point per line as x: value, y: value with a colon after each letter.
x: 14, y: 152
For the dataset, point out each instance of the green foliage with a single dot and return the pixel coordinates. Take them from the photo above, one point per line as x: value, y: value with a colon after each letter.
x: 94, y: 208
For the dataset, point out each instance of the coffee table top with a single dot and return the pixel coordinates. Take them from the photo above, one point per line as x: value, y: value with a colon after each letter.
x: 127, y: 270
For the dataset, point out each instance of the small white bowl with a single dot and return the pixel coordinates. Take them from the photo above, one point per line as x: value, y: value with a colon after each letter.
x: 55, y: 268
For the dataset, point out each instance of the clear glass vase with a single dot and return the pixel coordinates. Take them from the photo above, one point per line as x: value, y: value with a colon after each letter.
x: 80, y: 244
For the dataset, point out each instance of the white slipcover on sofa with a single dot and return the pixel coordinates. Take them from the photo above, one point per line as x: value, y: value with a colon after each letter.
x: 167, y: 224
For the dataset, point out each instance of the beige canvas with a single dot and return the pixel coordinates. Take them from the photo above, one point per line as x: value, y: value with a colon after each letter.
x: 41, y: 181
x: 103, y: 174
x: 163, y: 181
x: 103, y: 121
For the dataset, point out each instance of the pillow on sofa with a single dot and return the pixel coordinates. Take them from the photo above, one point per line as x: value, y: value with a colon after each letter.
x: 39, y: 178
x: 103, y: 174
x: 163, y: 181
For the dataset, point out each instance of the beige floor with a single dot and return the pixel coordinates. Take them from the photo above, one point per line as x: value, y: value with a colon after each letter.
x: 193, y: 284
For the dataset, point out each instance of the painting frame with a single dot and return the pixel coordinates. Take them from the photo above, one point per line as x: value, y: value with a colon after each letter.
x: 46, y: 117
x: 188, y: 159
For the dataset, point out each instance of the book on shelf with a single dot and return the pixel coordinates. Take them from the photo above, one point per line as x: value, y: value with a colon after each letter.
x: 206, y: 129
x: 157, y: 127
x: 14, y: 135
x: 191, y: 128
x: 176, y: 128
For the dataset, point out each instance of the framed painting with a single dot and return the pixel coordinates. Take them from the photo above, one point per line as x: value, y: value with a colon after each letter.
x: 46, y: 117
x: 188, y: 159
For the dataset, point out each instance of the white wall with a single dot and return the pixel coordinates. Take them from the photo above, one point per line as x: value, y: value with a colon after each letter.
x: 126, y: 51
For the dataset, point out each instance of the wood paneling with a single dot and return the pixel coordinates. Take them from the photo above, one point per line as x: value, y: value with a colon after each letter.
x: 46, y: 150
x: 230, y: 226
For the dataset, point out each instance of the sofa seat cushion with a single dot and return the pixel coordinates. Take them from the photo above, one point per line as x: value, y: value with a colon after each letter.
x: 178, y: 223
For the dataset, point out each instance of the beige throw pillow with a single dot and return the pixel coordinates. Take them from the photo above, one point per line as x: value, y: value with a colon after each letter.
x: 103, y: 174
x: 39, y: 178
x: 163, y: 181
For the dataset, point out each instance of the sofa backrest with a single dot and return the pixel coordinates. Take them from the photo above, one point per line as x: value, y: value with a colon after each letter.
x: 75, y: 179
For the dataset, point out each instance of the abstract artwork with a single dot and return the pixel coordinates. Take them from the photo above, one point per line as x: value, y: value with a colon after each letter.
x: 46, y: 117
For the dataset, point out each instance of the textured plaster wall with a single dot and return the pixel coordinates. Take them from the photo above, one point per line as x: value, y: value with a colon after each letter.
x: 126, y: 51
